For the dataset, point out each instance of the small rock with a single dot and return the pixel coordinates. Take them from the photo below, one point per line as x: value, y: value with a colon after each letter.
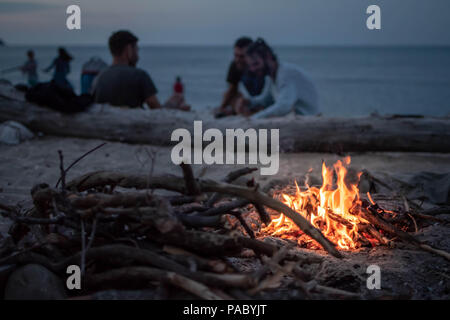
x: 12, y: 133
x: 34, y: 282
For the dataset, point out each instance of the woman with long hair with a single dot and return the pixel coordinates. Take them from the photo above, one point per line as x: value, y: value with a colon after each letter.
x: 61, y: 64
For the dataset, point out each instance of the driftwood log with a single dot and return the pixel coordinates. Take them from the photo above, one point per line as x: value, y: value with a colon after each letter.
x: 299, y: 134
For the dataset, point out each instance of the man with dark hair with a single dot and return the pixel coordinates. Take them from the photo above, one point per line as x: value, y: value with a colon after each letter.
x: 122, y: 84
x: 119, y: 41
x: 238, y: 73
x: 293, y: 90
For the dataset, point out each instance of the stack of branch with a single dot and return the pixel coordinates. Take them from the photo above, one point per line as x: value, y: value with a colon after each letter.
x: 133, y: 238
x: 397, y: 224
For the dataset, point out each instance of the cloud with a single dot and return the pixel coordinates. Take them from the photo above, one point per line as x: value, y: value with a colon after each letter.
x: 9, y: 7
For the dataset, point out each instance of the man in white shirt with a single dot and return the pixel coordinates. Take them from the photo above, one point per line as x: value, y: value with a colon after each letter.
x: 292, y: 89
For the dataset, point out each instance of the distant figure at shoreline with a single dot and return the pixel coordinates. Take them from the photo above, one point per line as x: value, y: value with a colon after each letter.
x: 241, y: 82
x: 177, y: 98
x: 178, y: 87
x: 61, y: 64
x: 122, y: 84
x: 30, y: 69
x: 293, y: 90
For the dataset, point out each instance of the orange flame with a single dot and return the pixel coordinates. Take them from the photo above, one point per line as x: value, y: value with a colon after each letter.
x: 332, y: 208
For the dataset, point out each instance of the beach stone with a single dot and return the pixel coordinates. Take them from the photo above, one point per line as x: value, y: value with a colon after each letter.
x: 13, y: 133
x: 34, y: 282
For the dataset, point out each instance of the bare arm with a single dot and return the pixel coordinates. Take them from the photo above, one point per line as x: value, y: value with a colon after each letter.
x: 50, y: 67
x: 283, y: 105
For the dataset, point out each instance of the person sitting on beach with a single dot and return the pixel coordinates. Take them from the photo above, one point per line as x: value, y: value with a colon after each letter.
x: 241, y: 82
x: 178, y: 87
x: 177, y: 98
x: 30, y: 69
x: 292, y: 88
x: 252, y: 101
x: 61, y: 64
x: 122, y: 84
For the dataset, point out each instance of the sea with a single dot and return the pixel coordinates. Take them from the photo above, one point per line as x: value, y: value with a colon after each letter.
x: 351, y: 81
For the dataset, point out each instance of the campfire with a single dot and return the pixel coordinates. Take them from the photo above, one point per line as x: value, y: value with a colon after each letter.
x: 335, y: 208
x: 122, y: 235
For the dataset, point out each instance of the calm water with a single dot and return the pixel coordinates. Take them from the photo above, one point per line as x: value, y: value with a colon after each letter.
x: 351, y: 81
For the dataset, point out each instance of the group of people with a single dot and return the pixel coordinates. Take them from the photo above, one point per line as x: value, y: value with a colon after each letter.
x: 259, y: 85
x: 60, y: 65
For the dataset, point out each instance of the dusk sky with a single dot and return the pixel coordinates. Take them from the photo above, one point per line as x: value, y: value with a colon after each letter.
x: 214, y: 22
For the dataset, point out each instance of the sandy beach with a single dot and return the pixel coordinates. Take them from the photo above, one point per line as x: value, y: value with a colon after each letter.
x: 36, y: 161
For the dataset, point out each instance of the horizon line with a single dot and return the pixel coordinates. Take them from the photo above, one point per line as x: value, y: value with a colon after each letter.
x: 229, y: 45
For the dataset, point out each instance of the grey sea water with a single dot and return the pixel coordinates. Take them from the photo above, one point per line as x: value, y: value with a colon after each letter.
x: 351, y: 81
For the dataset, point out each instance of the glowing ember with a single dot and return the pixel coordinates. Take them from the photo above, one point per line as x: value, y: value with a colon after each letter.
x: 333, y: 208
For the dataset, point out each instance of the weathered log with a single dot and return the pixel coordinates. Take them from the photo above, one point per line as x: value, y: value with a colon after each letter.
x: 225, y: 208
x: 122, y: 256
x: 229, y: 179
x: 104, y: 178
x: 315, y: 134
x: 191, y: 184
x: 125, y: 276
x: 214, y: 265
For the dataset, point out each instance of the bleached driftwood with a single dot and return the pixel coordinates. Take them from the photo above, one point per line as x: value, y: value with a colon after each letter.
x: 297, y: 134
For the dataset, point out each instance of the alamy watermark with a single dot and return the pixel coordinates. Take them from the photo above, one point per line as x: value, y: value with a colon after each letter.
x: 237, y: 147
x: 74, y: 279
x: 373, y: 22
x: 73, y: 21
x: 374, y: 279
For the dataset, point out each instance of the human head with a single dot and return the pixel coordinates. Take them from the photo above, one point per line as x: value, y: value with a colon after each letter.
x: 30, y: 54
x: 123, y: 46
x: 261, y: 58
x: 63, y: 54
x: 240, y: 47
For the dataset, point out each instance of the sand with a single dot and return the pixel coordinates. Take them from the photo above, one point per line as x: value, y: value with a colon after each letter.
x: 411, y: 273
x: 36, y: 161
